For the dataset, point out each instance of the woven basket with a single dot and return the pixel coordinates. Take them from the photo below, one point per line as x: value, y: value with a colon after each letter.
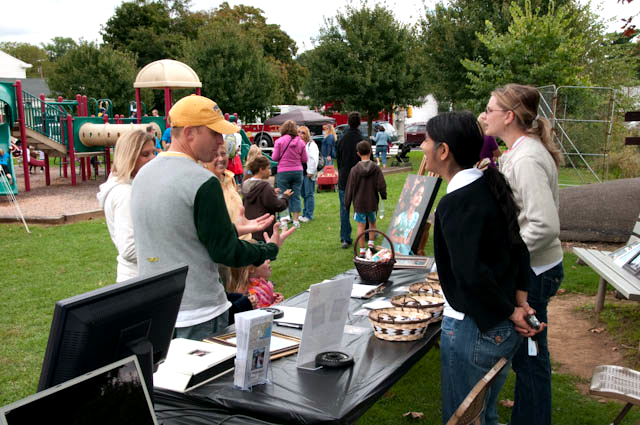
x: 399, y: 324
x: 425, y: 288
x: 425, y: 303
x: 373, y: 271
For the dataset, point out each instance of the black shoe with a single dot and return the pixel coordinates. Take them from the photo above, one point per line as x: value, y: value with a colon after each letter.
x: 346, y: 245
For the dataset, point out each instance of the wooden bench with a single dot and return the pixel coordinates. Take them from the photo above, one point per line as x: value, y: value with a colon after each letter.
x: 624, y: 282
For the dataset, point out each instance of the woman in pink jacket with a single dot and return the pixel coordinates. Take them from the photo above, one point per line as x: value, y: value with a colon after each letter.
x: 290, y: 152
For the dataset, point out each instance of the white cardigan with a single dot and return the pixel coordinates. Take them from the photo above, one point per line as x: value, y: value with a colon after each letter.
x: 312, y: 161
x: 533, y: 177
x: 115, y: 199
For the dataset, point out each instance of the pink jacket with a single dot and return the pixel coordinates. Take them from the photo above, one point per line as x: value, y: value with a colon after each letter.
x: 289, y: 158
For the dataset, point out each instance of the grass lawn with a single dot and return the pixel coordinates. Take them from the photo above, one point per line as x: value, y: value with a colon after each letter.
x: 53, y: 263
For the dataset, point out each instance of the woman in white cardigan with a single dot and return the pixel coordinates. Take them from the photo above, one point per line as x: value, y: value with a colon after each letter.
x: 132, y: 151
x: 309, y: 179
x: 531, y: 168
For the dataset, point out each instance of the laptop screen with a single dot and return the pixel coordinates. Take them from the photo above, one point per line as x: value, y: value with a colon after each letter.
x: 110, y: 395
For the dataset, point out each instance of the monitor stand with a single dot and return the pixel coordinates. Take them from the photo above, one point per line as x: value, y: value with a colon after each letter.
x: 143, y: 349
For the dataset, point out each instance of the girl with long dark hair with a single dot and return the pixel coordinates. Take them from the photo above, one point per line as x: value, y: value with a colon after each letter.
x: 481, y: 259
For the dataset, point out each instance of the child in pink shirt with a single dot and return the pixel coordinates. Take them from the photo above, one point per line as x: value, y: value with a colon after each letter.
x: 254, y: 283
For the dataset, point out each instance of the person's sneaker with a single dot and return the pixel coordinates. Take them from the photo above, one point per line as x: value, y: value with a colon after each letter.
x: 304, y: 219
x: 296, y: 224
x: 345, y: 244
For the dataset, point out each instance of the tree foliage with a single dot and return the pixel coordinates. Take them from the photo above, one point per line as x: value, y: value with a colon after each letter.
x: 233, y: 69
x: 27, y: 53
x: 99, y: 72
x: 365, y: 60
x: 151, y: 29
x: 278, y: 48
x: 558, y: 47
x: 448, y: 34
x: 58, y: 47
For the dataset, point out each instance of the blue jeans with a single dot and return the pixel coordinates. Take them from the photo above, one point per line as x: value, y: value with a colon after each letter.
x: 308, y: 196
x: 466, y: 355
x: 291, y: 180
x: 382, y: 151
x: 532, y: 397
x: 203, y: 330
x: 345, y: 224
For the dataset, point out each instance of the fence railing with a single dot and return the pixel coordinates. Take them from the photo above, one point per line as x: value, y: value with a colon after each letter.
x: 43, y: 118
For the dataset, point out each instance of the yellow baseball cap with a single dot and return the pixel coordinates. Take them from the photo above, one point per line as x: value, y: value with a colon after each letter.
x: 197, y: 110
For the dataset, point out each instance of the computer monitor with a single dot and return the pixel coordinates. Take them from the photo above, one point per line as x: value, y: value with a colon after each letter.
x: 97, y: 328
x: 113, y: 394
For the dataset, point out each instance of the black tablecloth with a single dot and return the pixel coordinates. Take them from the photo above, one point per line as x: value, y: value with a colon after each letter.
x: 325, y: 396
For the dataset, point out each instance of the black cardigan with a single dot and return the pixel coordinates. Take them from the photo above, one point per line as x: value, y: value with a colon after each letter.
x: 479, y: 269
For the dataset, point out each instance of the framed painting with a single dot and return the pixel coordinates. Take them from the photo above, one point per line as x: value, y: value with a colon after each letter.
x: 411, y: 213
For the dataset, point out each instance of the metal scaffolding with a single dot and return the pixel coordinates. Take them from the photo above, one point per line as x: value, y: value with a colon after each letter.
x: 582, y: 121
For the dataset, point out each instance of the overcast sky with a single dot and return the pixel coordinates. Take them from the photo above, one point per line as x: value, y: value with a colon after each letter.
x: 38, y: 21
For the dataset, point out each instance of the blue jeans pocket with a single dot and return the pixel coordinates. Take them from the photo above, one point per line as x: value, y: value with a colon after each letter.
x: 499, y: 341
x: 551, y: 280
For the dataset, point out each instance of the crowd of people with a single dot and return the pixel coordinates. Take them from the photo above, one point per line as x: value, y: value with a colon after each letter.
x: 496, y: 231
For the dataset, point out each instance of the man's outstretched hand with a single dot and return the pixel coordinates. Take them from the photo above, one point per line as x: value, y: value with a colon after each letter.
x: 245, y: 226
x: 278, y: 237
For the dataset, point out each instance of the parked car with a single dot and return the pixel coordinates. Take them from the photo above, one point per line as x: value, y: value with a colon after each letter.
x: 415, y: 133
x: 388, y: 128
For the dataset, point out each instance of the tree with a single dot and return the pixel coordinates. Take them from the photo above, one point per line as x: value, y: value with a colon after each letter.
x: 558, y: 47
x: 27, y: 53
x: 233, y: 69
x: 147, y: 29
x: 448, y: 35
x: 278, y: 47
x: 99, y: 72
x: 365, y: 60
x: 58, y: 47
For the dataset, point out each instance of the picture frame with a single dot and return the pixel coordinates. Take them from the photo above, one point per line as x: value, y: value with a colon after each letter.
x: 623, y: 255
x: 633, y: 265
x: 413, y: 262
x: 411, y: 213
x: 282, y: 345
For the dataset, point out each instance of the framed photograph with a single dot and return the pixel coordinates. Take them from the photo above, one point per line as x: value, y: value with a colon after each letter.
x: 281, y: 345
x: 624, y: 254
x: 411, y: 213
x: 413, y: 262
x: 633, y: 265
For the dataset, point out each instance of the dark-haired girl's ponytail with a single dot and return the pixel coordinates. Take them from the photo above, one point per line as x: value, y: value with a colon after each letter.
x: 503, y: 195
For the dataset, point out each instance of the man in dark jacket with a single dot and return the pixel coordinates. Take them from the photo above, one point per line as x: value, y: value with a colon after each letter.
x: 347, y: 158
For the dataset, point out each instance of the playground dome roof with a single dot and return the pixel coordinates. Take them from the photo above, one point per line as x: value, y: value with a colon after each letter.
x: 167, y: 73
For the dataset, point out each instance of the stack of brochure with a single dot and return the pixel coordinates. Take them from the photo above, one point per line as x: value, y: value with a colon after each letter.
x: 253, y: 340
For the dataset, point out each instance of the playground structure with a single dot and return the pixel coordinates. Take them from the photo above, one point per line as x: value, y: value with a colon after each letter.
x: 52, y: 126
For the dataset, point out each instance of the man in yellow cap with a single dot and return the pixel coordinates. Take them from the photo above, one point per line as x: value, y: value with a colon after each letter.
x: 179, y: 217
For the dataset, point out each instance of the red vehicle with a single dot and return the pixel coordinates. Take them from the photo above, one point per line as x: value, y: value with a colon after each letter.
x: 327, y: 179
x: 415, y: 133
x: 262, y: 135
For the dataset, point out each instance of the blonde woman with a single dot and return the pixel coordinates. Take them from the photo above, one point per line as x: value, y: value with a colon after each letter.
x: 310, y: 176
x: 531, y: 168
x: 133, y: 150
x: 232, y: 198
x: 254, y: 152
x: 329, y: 144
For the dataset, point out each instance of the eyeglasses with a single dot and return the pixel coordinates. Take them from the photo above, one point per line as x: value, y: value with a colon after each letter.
x: 488, y: 110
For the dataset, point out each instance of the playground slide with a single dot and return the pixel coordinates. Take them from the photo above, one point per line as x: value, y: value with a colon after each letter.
x: 5, y: 145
